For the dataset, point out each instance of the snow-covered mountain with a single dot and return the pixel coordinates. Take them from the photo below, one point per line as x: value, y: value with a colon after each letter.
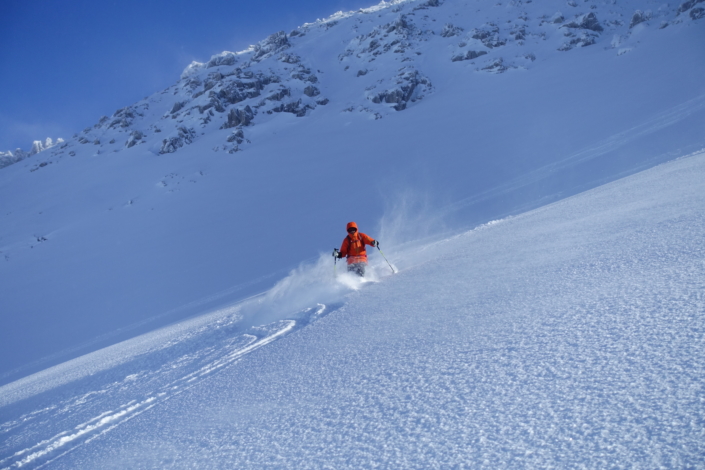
x: 372, y: 62
x: 8, y: 158
x: 139, y: 239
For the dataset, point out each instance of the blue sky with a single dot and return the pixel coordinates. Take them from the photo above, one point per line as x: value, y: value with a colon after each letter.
x: 64, y: 64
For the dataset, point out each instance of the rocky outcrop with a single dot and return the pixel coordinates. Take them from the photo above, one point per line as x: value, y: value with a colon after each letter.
x: 311, y: 91
x: 274, y: 44
x: 488, y: 35
x: 289, y: 58
x: 122, y: 118
x: 496, y: 66
x: 224, y: 58
x: 177, y: 107
x: 583, y: 40
x: 469, y: 55
x: 8, y: 158
x: 583, y: 31
x: 246, y: 86
x: 297, y: 108
x: 557, y: 18
x: 428, y: 4
x: 410, y: 87
x: 184, y: 136
x: 588, y: 22
x: 238, y: 136
x: 450, y: 30
x: 280, y: 94
x: 639, y: 17
x: 134, y: 139
x: 392, y: 37
x: 685, y: 6
x: 239, y: 117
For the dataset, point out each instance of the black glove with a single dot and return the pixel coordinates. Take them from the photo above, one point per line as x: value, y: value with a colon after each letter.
x: 375, y: 243
x: 336, y: 253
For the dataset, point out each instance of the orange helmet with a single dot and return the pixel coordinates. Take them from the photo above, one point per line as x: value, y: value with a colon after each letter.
x: 351, y: 225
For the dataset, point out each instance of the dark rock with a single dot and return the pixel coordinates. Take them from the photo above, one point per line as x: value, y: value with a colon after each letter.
x: 311, y: 91
x: 134, y: 139
x: 409, y: 81
x: 172, y: 144
x: 583, y: 40
x: 362, y: 72
x: 240, y: 90
x: 697, y: 13
x: 274, y: 44
x: 290, y: 58
x: 102, y: 121
x: 496, y: 66
x: 588, y: 22
x: 469, y: 55
x: 226, y: 58
x: 639, y: 17
x: 279, y: 94
x: 489, y: 36
x: 177, y: 107
x: 239, y: 117
x: 427, y: 4
x: 123, y: 118
x: 237, y: 136
x: 685, y: 6
x: 295, y: 107
x: 449, y: 30
x: 213, y: 102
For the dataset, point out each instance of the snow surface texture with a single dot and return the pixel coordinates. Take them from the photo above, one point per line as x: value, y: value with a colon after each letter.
x: 147, y: 218
x: 571, y: 336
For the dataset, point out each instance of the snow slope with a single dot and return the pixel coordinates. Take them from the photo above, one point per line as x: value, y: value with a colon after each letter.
x: 147, y: 218
x: 570, y: 336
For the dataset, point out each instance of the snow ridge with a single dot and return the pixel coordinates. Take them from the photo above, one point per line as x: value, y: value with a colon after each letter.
x: 284, y: 74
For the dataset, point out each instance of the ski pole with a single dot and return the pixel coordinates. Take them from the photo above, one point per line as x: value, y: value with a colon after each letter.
x: 335, y: 263
x: 385, y: 259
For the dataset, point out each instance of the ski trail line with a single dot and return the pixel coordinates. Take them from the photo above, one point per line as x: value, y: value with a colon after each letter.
x: 46, y: 451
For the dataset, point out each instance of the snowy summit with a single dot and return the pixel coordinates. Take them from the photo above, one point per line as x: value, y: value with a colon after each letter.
x: 533, y: 171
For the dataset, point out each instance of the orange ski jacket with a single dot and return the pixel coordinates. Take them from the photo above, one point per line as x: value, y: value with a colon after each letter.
x: 354, y: 246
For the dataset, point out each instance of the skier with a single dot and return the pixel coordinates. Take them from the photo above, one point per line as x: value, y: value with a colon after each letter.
x: 353, y: 248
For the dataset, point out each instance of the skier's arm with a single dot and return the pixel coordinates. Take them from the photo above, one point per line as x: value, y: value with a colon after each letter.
x: 344, y: 248
x: 369, y: 240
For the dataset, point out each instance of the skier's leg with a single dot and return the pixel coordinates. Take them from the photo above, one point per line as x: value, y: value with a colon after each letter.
x: 357, y: 268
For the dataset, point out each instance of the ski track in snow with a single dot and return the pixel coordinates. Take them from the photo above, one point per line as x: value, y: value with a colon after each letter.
x: 139, y: 391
